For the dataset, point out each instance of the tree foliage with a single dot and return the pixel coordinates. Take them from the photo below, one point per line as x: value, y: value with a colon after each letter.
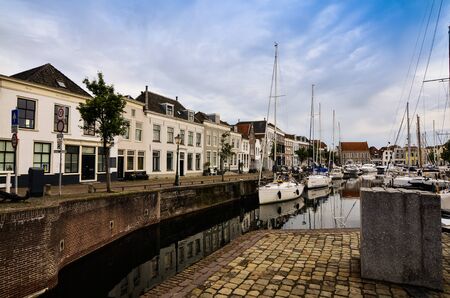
x: 225, y: 151
x: 104, y: 114
x: 446, y: 152
x: 302, y: 154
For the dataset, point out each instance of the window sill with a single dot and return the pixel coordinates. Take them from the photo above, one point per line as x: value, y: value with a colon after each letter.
x: 28, y: 129
x: 155, y: 141
x: 156, y: 171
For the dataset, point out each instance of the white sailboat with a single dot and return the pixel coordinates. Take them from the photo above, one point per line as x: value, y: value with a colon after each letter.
x: 281, y: 189
x: 316, y: 180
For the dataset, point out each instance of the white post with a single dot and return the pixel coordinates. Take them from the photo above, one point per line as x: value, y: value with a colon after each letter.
x: 8, y: 182
x: 60, y: 170
x: 16, y: 168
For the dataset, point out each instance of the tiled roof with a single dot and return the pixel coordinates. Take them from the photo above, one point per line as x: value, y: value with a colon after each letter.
x: 156, y: 104
x: 354, y: 146
x: 244, y: 128
x: 49, y: 76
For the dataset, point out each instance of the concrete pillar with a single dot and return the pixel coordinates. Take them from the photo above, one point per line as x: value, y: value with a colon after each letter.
x: 401, y: 236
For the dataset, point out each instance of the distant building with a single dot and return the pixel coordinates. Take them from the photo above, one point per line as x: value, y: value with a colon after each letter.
x: 375, y: 155
x: 356, y: 152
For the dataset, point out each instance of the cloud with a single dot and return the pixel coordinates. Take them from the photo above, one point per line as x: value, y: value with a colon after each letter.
x: 218, y: 56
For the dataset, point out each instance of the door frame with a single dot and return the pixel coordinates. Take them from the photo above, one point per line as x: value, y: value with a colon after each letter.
x: 95, y: 164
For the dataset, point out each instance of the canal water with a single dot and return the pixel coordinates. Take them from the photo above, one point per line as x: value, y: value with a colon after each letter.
x: 139, y: 261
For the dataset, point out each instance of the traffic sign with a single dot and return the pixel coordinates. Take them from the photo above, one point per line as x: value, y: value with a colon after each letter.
x: 60, y: 126
x: 61, y: 113
x: 14, y: 140
x: 59, y: 144
x: 14, y: 117
x: 14, y: 128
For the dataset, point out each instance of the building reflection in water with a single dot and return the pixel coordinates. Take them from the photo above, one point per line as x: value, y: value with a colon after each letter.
x: 175, y: 257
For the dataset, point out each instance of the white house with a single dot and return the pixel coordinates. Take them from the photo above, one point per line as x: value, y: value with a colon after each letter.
x: 37, y: 94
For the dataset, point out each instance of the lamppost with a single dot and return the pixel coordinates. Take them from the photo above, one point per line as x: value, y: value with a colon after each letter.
x: 177, y: 176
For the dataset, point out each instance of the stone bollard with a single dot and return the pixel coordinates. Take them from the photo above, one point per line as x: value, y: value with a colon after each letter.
x: 401, y: 236
x: 47, y: 190
x: 91, y: 188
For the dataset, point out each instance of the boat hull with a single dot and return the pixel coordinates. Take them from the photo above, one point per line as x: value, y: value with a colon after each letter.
x: 279, y: 192
x: 317, y: 181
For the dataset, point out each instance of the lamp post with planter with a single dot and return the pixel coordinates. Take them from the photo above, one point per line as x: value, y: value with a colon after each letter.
x: 177, y: 176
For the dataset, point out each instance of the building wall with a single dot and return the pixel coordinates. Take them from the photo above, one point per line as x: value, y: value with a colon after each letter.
x: 43, y: 131
x: 212, y: 147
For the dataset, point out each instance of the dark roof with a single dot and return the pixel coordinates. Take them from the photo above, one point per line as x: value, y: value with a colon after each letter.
x: 258, y: 126
x: 156, y: 101
x: 354, y: 146
x: 49, y: 76
x: 322, y: 144
x: 244, y: 128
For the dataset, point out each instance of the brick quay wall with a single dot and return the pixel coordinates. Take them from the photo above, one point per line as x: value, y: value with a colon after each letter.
x: 37, y: 242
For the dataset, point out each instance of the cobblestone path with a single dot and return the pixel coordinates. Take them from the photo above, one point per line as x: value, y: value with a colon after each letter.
x: 321, y: 263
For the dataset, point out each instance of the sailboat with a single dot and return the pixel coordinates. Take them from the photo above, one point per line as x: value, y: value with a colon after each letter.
x: 281, y: 188
x: 315, y: 180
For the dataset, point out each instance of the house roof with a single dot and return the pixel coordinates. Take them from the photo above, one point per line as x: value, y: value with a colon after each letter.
x: 156, y: 104
x: 290, y: 136
x: 322, y: 144
x: 354, y: 146
x: 49, y: 76
x: 244, y: 128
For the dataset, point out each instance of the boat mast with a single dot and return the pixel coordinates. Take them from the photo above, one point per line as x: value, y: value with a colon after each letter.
x: 311, y: 125
x: 409, y: 136
x: 434, y: 144
x: 419, y: 143
x: 331, y: 158
x: 319, y: 144
x: 275, y: 109
x: 340, y: 145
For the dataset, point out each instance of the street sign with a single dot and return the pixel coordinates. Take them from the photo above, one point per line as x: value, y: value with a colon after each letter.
x: 14, y: 128
x: 14, y: 140
x: 59, y: 144
x: 60, y: 126
x: 61, y: 113
x: 14, y: 117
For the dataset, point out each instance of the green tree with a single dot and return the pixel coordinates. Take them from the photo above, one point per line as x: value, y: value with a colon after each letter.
x: 302, y: 154
x: 104, y: 114
x: 225, y: 151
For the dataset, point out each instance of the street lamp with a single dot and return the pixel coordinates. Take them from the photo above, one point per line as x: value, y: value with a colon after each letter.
x: 177, y: 176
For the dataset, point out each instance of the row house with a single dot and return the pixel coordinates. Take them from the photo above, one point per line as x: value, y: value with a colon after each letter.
x: 355, y: 152
x: 214, y: 130
x: 150, y: 143
x: 246, y: 129
x: 37, y: 94
x: 289, y: 154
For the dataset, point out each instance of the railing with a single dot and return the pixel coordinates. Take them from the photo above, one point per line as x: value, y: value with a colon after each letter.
x: 7, y: 185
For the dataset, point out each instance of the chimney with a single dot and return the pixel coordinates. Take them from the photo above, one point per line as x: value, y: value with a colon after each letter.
x: 146, y: 98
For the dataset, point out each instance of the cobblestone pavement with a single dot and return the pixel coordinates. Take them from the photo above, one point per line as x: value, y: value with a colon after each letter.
x: 321, y: 263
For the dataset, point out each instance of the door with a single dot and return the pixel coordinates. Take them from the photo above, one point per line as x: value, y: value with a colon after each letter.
x: 181, y: 163
x: 88, y: 167
x: 120, y: 167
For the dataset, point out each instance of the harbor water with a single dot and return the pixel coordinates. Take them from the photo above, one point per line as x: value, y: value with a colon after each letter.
x: 139, y: 261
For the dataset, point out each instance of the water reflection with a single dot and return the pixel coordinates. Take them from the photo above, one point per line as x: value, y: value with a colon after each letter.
x: 324, y: 208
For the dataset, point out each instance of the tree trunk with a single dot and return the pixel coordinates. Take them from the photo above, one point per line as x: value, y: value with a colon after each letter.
x: 108, y: 174
x: 221, y: 169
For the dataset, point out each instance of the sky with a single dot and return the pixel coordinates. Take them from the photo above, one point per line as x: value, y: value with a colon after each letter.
x: 217, y: 57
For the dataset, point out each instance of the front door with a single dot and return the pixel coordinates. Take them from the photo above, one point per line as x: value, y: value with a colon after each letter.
x: 87, y: 163
x: 181, y: 163
x: 88, y: 167
x: 120, y: 167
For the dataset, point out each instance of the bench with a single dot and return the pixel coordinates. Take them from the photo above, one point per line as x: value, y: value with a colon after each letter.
x: 136, y: 175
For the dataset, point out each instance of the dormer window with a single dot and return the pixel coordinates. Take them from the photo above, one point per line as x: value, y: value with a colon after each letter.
x: 169, y: 109
x: 61, y: 83
x: 191, y: 116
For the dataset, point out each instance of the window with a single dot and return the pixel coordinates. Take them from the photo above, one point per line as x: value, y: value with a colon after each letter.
x: 156, y: 167
x: 208, y: 138
x: 130, y: 160
x: 138, y: 132
x: 208, y: 157
x: 156, y: 133
x: 66, y: 118
x: 169, y: 110
x: 237, y: 143
x: 197, y: 162
x: 101, y: 160
x: 6, y: 156
x: 191, y: 116
x: 215, y: 159
x: 140, y: 160
x: 215, y: 140
x: 41, y: 157
x: 170, y: 135
x: 27, y: 112
x: 189, y: 161
x: 182, y: 136
x: 198, y: 139
x: 71, y: 159
x: 190, y: 138
x: 169, y: 161
x: 61, y: 83
x: 133, y: 112
x: 126, y: 133
x: 88, y: 130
